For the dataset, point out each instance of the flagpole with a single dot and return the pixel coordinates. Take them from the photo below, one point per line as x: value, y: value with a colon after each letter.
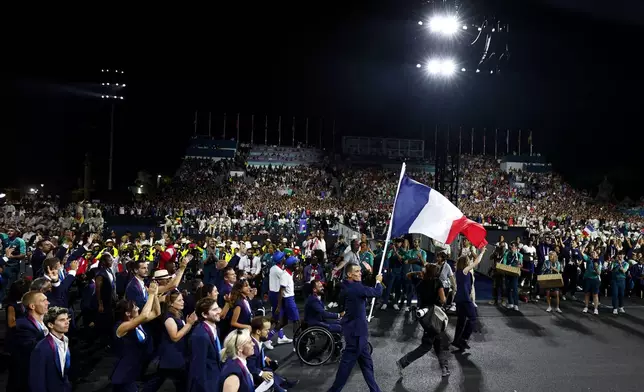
x: 237, y: 127
x: 507, y: 141
x: 196, y: 115
x: 209, y: 123
x: 391, y: 221
x: 519, y: 142
x: 496, y: 135
x: 306, y: 139
x: 472, y: 142
x: 252, y: 128
x: 484, y: 132
x: 530, y: 140
x: 223, y: 133
x: 266, y: 130
x: 279, y: 131
x: 460, y: 146
x: 293, y: 131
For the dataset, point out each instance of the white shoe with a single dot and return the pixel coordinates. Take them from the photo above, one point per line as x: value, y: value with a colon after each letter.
x: 621, y: 310
x: 284, y: 340
x: 585, y: 310
x: 475, y: 305
x: 407, y: 309
x: 268, y: 345
x: 563, y: 297
x: 396, y: 307
x: 383, y: 307
x: 595, y: 311
x: 614, y: 311
x: 549, y: 309
x: 538, y: 298
x: 333, y: 305
x: 558, y: 310
x: 516, y: 307
x: 452, y: 308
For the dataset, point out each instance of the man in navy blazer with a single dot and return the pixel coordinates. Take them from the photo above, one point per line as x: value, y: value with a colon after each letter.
x: 205, y: 348
x: 314, y: 313
x: 355, y: 329
x: 29, y: 331
x: 135, y: 289
x: 50, y: 360
x: 59, y: 294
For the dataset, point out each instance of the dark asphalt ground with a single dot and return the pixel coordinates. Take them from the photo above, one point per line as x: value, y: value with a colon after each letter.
x: 529, y: 350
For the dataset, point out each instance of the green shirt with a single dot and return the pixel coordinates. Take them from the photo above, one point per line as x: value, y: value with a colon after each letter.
x: 593, y: 269
x: 616, y: 271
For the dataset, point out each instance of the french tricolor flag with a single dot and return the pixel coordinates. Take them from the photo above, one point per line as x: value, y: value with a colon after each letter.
x: 588, y: 231
x: 420, y: 209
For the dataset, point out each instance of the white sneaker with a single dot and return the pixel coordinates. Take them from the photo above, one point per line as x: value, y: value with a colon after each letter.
x: 475, y: 305
x: 621, y: 310
x: 268, y: 345
x: 396, y: 307
x: 333, y: 304
x: 452, y: 308
x: 563, y: 297
x: 284, y: 340
x: 516, y: 307
x: 595, y: 311
x: 549, y: 309
x: 538, y: 298
x: 407, y: 309
x: 383, y: 307
x: 585, y: 310
x: 614, y: 311
x: 558, y: 310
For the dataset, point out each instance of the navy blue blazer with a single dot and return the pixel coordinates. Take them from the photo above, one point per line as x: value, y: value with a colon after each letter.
x: 45, y: 373
x: 134, y: 292
x: 172, y: 354
x: 354, y: 322
x: 58, y: 296
x: 25, y: 337
x: 245, y: 314
x: 224, y: 290
x: 314, y: 312
x: 234, y: 366
x: 130, y: 356
x: 205, y: 360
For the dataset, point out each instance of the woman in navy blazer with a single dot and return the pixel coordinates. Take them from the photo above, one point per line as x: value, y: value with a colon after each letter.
x: 174, y: 345
x: 205, y: 346
x: 242, y: 313
x: 131, y: 344
x: 235, y: 376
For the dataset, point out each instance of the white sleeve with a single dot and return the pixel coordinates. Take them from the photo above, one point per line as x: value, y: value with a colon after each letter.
x: 284, y: 279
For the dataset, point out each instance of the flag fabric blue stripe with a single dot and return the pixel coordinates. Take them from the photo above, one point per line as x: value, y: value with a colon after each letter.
x: 412, y: 198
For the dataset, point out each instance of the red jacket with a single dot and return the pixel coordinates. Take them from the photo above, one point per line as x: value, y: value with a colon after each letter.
x: 168, y: 255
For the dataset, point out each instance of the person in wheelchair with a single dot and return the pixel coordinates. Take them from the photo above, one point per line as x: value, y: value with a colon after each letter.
x: 261, y: 367
x: 314, y: 313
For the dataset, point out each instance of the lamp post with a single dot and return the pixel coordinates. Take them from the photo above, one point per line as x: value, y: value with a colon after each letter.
x: 112, y: 89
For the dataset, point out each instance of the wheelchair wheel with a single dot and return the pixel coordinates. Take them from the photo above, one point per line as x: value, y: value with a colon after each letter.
x: 341, y: 344
x: 315, y: 346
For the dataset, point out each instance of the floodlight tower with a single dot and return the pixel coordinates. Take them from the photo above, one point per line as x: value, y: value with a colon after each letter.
x: 113, y: 91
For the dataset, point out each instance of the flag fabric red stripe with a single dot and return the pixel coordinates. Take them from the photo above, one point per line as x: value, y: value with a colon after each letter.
x: 474, y: 232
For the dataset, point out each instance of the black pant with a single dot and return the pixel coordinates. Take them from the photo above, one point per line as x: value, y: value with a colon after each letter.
x: 570, y: 280
x: 428, y: 341
x: 466, y: 321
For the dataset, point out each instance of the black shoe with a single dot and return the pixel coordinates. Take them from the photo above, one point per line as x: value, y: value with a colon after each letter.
x: 400, y: 368
x: 288, y: 384
x: 465, y: 345
x: 445, y: 371
x: 458, y: 345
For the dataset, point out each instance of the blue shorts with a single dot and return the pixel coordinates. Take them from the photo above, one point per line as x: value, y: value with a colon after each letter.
x: 591, y: 286
x: 289, y: 309
x: 273, y: 297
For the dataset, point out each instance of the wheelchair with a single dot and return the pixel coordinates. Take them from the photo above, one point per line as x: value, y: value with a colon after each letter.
x: 316, y: 345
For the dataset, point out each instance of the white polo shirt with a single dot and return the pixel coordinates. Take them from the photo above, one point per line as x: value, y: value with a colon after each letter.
x: 274, y: 278
x: 286, y: 281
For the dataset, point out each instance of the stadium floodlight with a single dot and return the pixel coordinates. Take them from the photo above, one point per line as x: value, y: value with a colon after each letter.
x: 441, y: 67
x: 444, y: 24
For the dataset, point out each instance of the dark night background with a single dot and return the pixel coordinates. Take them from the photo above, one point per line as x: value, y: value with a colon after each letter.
x: 573, y: 79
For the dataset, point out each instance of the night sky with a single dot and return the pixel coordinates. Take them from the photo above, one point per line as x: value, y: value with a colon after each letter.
x: 573, y: 79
